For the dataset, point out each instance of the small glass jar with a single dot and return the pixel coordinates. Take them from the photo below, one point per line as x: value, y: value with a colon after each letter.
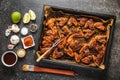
x: 33, y: 27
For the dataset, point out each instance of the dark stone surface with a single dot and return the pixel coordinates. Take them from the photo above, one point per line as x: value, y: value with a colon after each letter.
x: 99, y: 6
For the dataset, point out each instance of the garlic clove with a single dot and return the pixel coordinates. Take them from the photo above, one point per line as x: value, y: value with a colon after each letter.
x: 14, y: 39
x: 7, y: 32
x: 15, y: 28
x: 10, y: 27
x: 11, y: 46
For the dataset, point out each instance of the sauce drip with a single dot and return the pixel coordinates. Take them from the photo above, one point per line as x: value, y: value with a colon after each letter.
x: 9, y: 58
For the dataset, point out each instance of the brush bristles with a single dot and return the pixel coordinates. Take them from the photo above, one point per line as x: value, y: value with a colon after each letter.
x: 25, y: 67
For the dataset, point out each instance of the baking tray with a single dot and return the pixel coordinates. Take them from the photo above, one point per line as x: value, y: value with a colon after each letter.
x: 85, y: 70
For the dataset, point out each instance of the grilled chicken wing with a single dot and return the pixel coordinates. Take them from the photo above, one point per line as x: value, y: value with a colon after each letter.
x: 84, y: 52
x: 61, y: 21
x: 102, y: 39
x: 92, y: 43
x: 69, y: 52
x: 57, y: 54
x: 66, y: 30
x: 48, y: 38
x: 72, y: 21
x: 62, y: 44
x: 88, y: 33
x: 76, y: 45
x: 51, y: 32
x: 89, y: 24
x: 46, y: 44
x: 82, y: 21
x: 77, y: 57
x: 51, y: 22
x: 79, y: 34
x: 97, y: 60
x: 100, y: 26
x: 87, y: 60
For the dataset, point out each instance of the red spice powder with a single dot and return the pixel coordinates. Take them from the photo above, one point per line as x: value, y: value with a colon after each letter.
x: 28, y: 41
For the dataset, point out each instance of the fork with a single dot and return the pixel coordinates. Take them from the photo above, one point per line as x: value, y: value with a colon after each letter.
x: 53, y: 46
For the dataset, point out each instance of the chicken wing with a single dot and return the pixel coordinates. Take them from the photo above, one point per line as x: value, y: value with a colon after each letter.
x: 100, y: 26
x: 92, y: 43
x: 88, y: 33
x: 61, y: 21
x: 89, y: 24
x: 69, y: 52
x: 56, y: 54
x: 50, y: 22
x: 102, y: 39
x: 84, y: 52
x: 66, y: 30
x: 72, y: 21
x: 87, y: 60
x: 82, y: 21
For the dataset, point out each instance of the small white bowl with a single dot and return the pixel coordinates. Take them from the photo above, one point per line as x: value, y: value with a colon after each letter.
x: 26, y: 47
x: 24, y: 31
x: 8, y: 52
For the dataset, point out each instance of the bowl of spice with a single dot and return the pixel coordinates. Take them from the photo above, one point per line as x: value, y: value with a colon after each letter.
x: 9, y: 58
x: 33, y: 27
x: 28, y: 41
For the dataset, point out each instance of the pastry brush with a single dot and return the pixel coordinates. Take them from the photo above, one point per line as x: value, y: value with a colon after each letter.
x: 33, y: 68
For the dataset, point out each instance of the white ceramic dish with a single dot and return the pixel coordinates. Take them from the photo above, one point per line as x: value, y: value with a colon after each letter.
x: 26, y: 47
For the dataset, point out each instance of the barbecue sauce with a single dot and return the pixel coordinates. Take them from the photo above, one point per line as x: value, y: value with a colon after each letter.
x: 9, y: 58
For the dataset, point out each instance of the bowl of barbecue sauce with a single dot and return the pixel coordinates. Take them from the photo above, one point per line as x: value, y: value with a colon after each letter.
x: 9, y: 58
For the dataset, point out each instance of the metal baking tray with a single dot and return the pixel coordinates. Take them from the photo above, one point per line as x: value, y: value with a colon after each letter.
x: 80, y: 69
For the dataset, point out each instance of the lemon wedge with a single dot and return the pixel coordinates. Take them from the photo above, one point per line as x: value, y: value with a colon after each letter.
x: 32, y: 15
x: 26, y: 18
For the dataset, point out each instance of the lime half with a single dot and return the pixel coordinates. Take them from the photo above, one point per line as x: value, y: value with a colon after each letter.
x: 26, y: 18
x: 16, y: 17
x: 32, y: 15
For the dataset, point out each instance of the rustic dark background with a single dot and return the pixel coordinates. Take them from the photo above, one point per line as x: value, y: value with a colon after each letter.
x: 99, y: 6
